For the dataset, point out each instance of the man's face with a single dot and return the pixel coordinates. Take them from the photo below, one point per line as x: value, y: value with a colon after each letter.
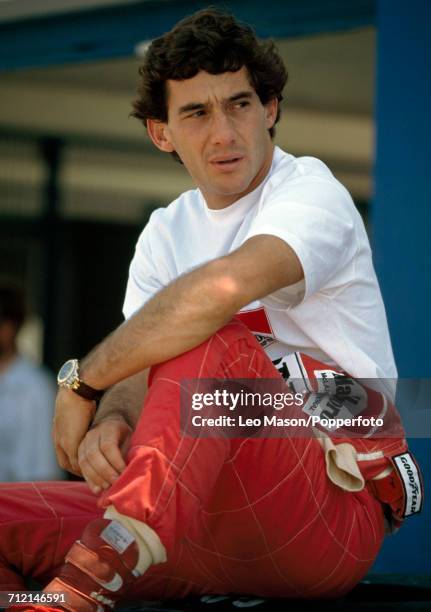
x: 219, y: 128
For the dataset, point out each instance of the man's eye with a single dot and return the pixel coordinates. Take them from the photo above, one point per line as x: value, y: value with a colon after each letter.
x: 242, y: 104
x: 199, y: 113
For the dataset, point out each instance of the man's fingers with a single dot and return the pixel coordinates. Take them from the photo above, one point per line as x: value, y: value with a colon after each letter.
x: 65, y: 463
x: 111, y: 449
x: 95, y: 466
x: 69, y: 450
x: 100, y: 456
x: 62, y: 459
x: 93, y: 479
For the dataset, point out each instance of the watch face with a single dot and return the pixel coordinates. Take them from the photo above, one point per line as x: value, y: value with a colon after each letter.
x: 67, y: 371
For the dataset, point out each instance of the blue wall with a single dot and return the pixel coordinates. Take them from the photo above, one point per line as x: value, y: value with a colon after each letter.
x: 401, y: 226
x: 113, y: 31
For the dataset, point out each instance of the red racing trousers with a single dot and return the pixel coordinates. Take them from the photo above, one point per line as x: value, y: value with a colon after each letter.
x: 252, y: 516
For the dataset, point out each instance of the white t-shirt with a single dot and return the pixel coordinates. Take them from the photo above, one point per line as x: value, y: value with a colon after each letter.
x: 27, y: 397
x: 335, y: 314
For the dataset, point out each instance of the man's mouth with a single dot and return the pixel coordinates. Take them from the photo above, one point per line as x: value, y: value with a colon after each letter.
x: 226, y: 162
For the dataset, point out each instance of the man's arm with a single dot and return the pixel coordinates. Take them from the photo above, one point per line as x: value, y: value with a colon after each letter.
x: 178, y: 318
x: 192, y: 308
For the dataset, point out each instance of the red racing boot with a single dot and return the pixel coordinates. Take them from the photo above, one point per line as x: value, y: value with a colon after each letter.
x: 98, y: 570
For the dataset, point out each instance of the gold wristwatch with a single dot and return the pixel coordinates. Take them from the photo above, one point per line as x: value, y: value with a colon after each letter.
x: 68, y: 377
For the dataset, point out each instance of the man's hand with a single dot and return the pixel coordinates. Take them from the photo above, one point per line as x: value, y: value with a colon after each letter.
x: 101, y: 453
x: 73, y: 415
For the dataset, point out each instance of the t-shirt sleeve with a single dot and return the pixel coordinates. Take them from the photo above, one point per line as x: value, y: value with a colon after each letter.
x: 145, y: 279
x: 318, y: 224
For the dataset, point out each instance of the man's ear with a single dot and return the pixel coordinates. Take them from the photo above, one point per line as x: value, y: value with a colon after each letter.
x: 158, y: 132
x: 271, y: 108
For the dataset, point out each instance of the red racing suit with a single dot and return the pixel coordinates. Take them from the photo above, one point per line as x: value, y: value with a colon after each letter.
x: 245, y: 515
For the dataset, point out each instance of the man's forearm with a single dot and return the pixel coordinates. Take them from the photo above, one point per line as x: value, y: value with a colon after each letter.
x: 125, y: 399
x: 176, y: 319
x: 192, y: 308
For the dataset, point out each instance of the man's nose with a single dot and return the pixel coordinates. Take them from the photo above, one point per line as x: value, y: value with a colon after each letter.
x: 222, y: 128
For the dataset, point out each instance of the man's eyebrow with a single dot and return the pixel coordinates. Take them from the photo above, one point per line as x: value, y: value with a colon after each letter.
x: 192, y: 106
x: 241, y: 94
x: 195, y: 106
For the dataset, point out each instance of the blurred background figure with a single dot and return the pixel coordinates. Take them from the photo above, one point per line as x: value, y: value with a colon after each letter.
x: 27, y: 394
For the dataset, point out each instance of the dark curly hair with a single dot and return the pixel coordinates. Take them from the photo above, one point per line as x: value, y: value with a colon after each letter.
x: 213, y: 41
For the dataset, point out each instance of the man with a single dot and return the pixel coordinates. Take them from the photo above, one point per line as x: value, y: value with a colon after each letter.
x: 27, y: 397
x: 276, y: 241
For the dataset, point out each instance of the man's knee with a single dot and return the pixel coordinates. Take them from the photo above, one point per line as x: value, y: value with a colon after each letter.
x: 210, y: 359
